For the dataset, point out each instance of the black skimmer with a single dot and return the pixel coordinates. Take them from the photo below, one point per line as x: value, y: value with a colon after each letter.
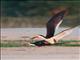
x: 52, y: 25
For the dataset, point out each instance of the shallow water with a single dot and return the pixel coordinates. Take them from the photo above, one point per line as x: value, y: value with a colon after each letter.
x: 16, y: 33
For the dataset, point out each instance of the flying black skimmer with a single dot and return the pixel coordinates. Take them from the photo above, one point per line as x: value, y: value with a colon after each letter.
x: 52, y: 25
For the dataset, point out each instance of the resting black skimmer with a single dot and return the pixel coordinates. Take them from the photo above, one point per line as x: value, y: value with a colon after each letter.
x: 52, y: 25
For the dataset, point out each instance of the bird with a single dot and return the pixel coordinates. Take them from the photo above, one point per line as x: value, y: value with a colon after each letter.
x: 52, y: 25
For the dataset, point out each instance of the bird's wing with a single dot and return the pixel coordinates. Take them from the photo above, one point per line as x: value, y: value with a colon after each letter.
x: 59, y: 36
x: 63, y: 34
x: 53, y: 23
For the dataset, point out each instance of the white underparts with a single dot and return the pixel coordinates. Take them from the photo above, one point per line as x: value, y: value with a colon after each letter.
x: 58, y: 24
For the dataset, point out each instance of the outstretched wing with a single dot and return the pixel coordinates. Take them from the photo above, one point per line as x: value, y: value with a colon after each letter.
x: 60, y: 35
x: 53, y: 23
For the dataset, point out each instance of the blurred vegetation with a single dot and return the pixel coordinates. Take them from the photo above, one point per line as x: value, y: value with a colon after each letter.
x: 33, y: 13
x: 22, y: 43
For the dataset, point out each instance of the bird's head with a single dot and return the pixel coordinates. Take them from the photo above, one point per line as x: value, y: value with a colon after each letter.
x: 38, y: 37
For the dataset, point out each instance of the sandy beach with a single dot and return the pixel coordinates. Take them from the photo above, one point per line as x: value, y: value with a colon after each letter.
x: 40, y: 30
x: 41, y: 53
x: 27, y: 33
x: 37, y: 53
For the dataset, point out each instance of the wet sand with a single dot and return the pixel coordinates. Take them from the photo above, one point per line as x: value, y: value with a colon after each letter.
x: 41, y: 53
x: 37, y: 53
x: 26, y: 33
